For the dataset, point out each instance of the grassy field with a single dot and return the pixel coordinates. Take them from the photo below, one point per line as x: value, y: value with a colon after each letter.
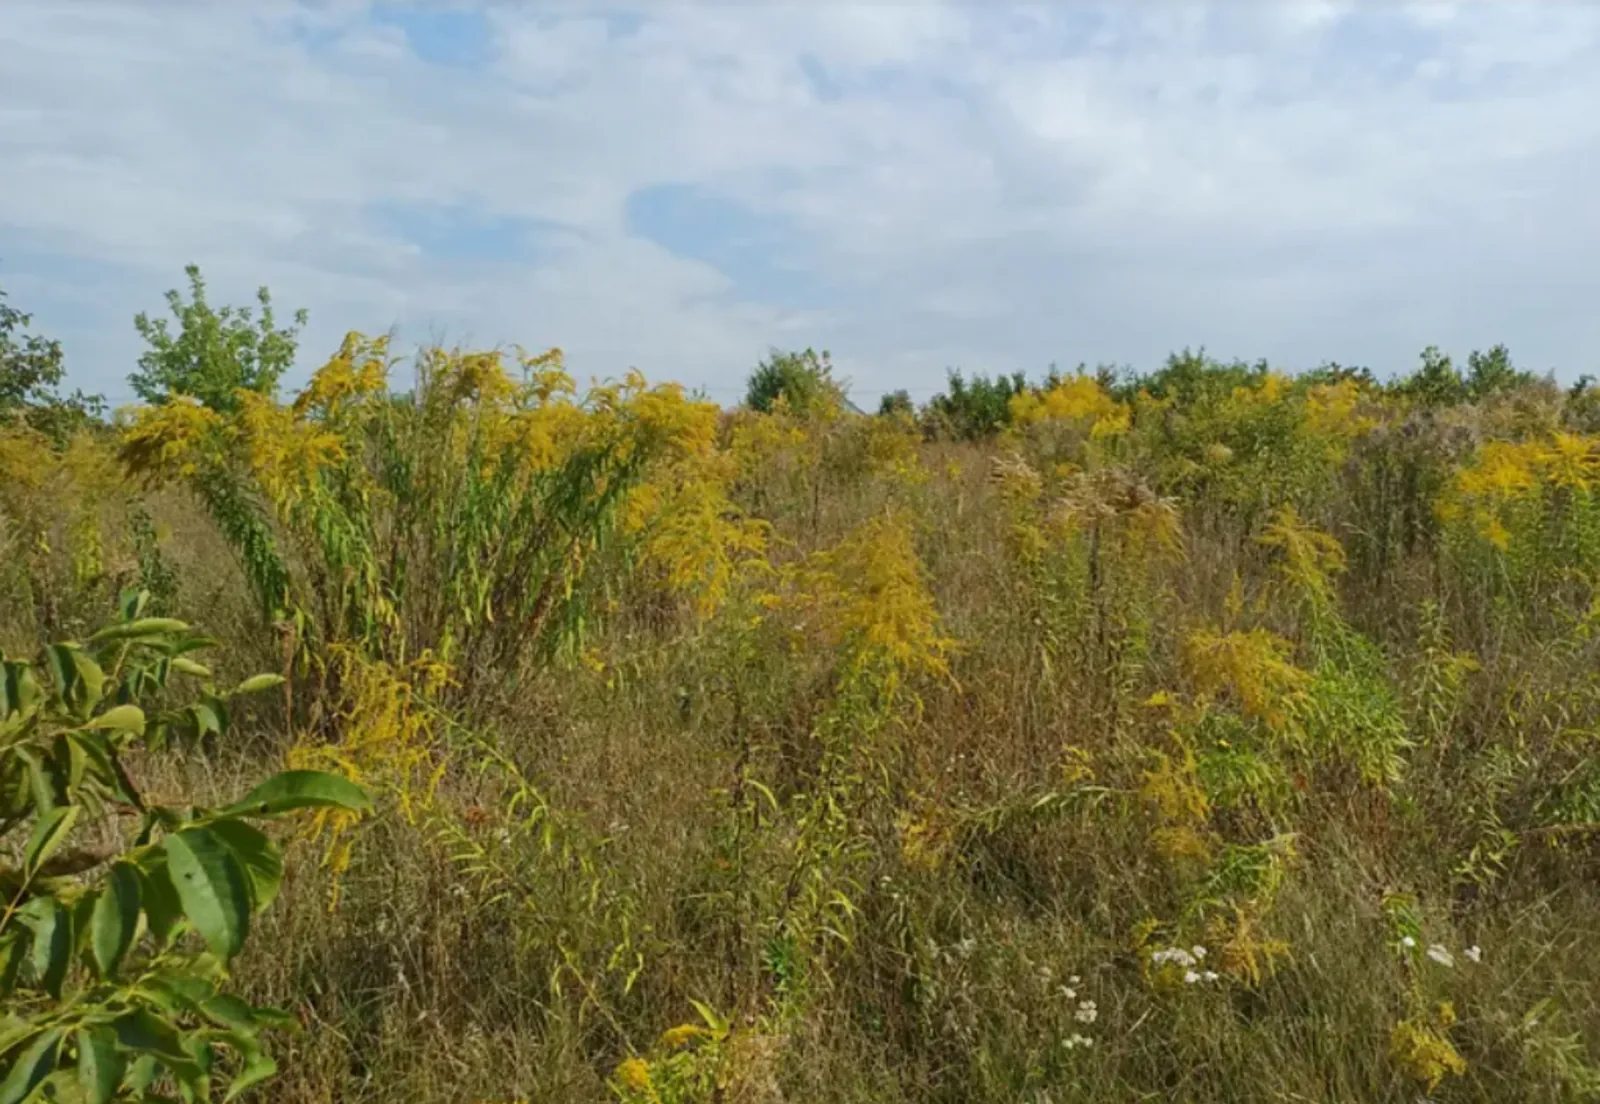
x: 1207, y: 736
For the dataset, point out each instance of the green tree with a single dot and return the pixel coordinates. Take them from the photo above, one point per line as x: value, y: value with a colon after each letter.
x: 215, y: 353
x: 1436, y: 382
x: 1492, y: 372
x: 975, y: 409
x: 804, y: 380
x: 31, y: 369
x: 896, y: 404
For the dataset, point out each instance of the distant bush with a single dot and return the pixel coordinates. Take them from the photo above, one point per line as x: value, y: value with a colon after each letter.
x: 803, y: 380
x: 216, y: 353
x: 31, y: 370
x: 970, y: 410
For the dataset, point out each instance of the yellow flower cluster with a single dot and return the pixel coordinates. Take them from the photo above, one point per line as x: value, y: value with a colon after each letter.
x: 1253, y: 666
x: 1079, y: 400
x: 172, y: 439
x: 1507, y: 474
x: 867, y: 598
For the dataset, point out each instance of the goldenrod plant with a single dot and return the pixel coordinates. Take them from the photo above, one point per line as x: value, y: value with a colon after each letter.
x: 1208, y: 734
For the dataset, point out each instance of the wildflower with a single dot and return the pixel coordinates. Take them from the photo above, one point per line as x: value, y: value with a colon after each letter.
x: 1074, y: 980
x: 1210, y: 975
x: 1437, y: 952
x: 1407, y: 942
x: 1198, y: 951
x: 634, y: 1074
x: 1075, y: 1041
x: 1190, y: 977
x: 1068, y: 993
x: 1087, y: 1012
x: 1474, y: 953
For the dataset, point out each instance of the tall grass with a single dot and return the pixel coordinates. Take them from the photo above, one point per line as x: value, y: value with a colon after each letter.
x: 1231, y: 741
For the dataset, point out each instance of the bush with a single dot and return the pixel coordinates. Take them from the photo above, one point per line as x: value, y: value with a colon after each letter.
x: 114, y: 946
x: 976, y: 409
x: 803, y: 380
x: 216, y: 353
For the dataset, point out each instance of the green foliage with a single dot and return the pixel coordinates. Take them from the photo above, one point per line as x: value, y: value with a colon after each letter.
x: 971, y: 410
x: 1435, y: 383
x: 896, y: 404
x: 214, y: 353
x: 31, y: 370
x: 108, y: 994
x: 1192, y: 379
x: 1492, y: 373
x: 803, y: 380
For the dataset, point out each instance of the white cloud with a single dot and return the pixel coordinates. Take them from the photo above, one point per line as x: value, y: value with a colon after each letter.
x: 995, y: 187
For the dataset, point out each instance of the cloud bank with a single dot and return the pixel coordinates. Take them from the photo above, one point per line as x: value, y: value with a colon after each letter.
x: 680, y: 186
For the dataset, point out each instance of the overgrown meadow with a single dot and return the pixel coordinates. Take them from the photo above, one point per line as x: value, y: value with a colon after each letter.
x: 1202, y: 735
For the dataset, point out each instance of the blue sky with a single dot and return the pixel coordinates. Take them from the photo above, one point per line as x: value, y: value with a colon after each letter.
x: 916, y: 186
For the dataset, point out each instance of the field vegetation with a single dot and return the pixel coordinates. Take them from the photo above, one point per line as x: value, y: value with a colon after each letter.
x: 449, y: 730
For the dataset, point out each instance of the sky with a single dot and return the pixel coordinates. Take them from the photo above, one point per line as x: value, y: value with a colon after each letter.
x: 681, y: 187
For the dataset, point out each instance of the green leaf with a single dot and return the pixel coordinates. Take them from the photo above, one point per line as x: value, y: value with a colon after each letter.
x: 49, y: 833
x: 99, y: 1064
x: 41, y: 780
x: 51, y: 925
x: 162, y: 907
x: 103, y: 766
x: 301, y: 789
x: 213, y: 887
x: 63, y: 672
x: 258, y: 1067
x: 140, y: 1074
x: 226, y: 1010
x: 78, y: 678
x: 146, y: 1033
x: 116, y: 918
x: 13, y: 949
x: 144, y: 626
x: 123, y: 718
x: 257, y: 683
x: 190, y: 667
x: 257, y: 854
x: 35, y: 1064
x: 204, y: 719
x: 19, y: 689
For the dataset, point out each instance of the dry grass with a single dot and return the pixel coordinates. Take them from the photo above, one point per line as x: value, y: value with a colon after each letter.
x: 714, y: 788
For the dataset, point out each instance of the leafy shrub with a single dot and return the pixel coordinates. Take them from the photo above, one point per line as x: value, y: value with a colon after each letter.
x: 971, y: 410
x: 802, y: 380
x: 115, y: 945
x: 216, y: 353
x: 31, y: 370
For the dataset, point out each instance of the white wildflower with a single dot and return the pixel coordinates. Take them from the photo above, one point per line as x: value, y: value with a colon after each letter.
x: 1069, y: 994
x: 1407, y: 942
x: 1210, y: 975
x: 1190, y: 977
x: 1074, y: 980
x: 1172, y: 954
x: 1474, y: 953
x: 1087, y: 1012
x: 1437, y: 952
x: 1198, y: 951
